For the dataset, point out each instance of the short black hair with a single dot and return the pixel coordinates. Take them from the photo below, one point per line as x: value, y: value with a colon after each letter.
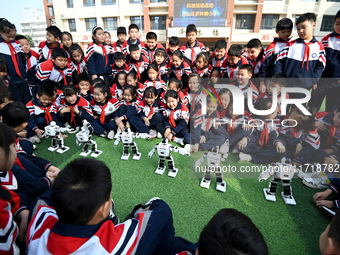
x: 107, y: 32
x: 178, y: 54
x: 174, y: 40
x: 121, y: 73
x: 179, y: 83
x: 46, y: 89
x: 254, y: 43
x: 121, y: 30
x: 133, y: 74
x: 153, y: 66
x: 235, y: 50
x: 55, y: 31
x: 337, y: 16
x: 14, y: 114
x: 80, y: 190
x: 334, y: 230
x: 75, y: 47
x: 161, y: 52
x: 118, y: 55
x: 308, y: 16
x: 70, y: 90
x: 66, y: 33
x: 102, y: 86
x: 20, y: 37
x: 151, y: 90
x: 231, y: 232
x: 133, y: 26
x: 133, y: 47
x: 151, y: 35
x: 247, y: 67
x: 204, y: 56
x: 7, y: 137
x: 6, y: 26
x: 221, y: 44
x: 132, y: 89
x: 171, y: 93
x: 82, y: 77
x: 59, y: 52
x: 191, y: 28
x: 3, y: 65
x: 284, y: 23
x: 280, y: 78
x: 5, y: 92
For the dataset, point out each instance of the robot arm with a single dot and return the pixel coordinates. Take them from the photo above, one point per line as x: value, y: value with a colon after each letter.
x: 180, y: 150
x: 153, y: 151
x: 200, y: 160
x: 117, y: 141
x: 141, y: 135
x: 266, y: 174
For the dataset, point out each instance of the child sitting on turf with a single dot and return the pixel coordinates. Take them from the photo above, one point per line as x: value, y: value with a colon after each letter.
x: 160, y: 57
x: 149, y: 118
x: 118, y: 87
x: 154, y: 80
x: 83, y: 82
x: 176, y: 119
x: 231, y: 66
x: 105, y: 109
x: 81, y: 198
x: 329, y: 239
x: 202, y: 66
x: 119, y: 65
x: 42, y: 111
x: 131, y: 79
x: 176, y: 85
x: 263, y: 145
x: 219, y: 54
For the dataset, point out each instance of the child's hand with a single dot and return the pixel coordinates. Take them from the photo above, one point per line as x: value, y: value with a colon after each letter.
x: 262, y: 87
x: 242, y: 143
x: 39, y: 132
x: 195, y: 148
x: 319, y: 125
x: 94, y: 76
x: 146, y: 121
x: 120, y: 97
x: 246, y: 127
x: 52, y: 172
x: 121, y: 126
x: 298, y: 148
x: 118, y: 120
x: 321, y: 195
x: 76, y: 110
x: 83, y: 92
x: 326, y: 203
x: 63, y: 136
x: 169, y: 137
x: 203, y: 139
x: 315, y: 86
x: 23, y: 223
x: 280, y: 148
x: 167, y: 132
x: 65, y: 109
x: 22, y: 134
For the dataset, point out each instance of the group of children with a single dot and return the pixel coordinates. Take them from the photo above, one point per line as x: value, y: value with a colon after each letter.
x: 162, y: 92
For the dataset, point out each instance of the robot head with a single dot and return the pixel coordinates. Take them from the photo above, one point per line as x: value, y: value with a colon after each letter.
x: 84, y: 122
x: 164, y: 140
x: 53, y: 123
x: 215, y: 149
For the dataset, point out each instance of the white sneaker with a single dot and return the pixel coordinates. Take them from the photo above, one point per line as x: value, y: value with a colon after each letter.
x: 224, y: 149
x: 179, y: 141
x: 244, y: 157
x: 34, y: 139
x: 317, y: 180
x: 159, y: 135
x: 235, y: 150
x: 111, y: 135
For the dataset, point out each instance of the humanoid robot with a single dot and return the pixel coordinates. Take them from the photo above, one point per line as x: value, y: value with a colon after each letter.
x: 214, y: 158
x: 279, y: 171
x: 85, y: 136
x: 127, y: 138
x: 163, y: 150
x: 57, y: 143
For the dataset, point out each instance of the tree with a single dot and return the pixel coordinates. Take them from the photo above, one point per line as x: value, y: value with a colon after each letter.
x: 30, y: 40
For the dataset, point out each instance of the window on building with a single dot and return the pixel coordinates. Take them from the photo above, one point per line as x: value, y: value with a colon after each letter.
x: 157, y: 22
x: 110, y: 23
x: 136, y: 1
x: 245, y: 21
x: 327, y: 24
x: 50, y: 11
x: 50, y: 1
x: 137, y: 20
x: 158, y: 1
x: 72, y: 25
x: 89, y: 3
x: 90, y: 23
x: 108, y: 2
x: 52, y: 21
x: 333, y: 0
x: 269, y: 21
x: 69, y: 3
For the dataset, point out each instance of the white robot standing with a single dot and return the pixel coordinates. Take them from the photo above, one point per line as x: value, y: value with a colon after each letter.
x: 214, y: 158
x: 127, y: 138
x: 279, y: 171
x: 85, y: 136
x: 163, y: 150
x: 57, y: 143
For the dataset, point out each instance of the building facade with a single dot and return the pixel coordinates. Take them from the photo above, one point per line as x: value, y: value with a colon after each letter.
x: 244, y: 19
x: 34, y: 25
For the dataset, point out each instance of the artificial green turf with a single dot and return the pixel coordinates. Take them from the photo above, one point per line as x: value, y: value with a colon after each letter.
x: 287, y: 229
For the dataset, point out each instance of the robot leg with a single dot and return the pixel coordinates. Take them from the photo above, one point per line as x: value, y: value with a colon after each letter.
x: 220, y: 183
x: 126, y: 153
x: 95, y: 153
x: 271, y: 191
x: 54, y: 145
x: 287, y: 193
x: 172, y: 170
x: 85, y: 150
x: 205, y: 182
x: 136, y: 154
x: 161, y: 168
x: 62, y: 148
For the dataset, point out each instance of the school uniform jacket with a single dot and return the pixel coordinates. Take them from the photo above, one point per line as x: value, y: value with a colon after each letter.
x: 331, y: 136
x: 45, y: 51
x: 139, y: 66
x: 141, y: 46
x: 311, y: 138
x: 195, y: 99
x: 118, y: 46
x: 158, y: 84
x: 228, y: 71
x: 116, y: 70
x: 133, y: 110
x: 32, y: 59
x: 192, y: 52
x: 301, y: 60
x: 145, y: 110
x: 169, y: 57
x: 184, y: 68
x: 255, y: 92
x: 99, y: 59
x: 266, y: 134
x: 331, y: 43
x: 85, y: 110
x: 15, y: 59
x: 184, y: 99
x: 204, y: 125
x: 256, y: 63
x: 203, y: 73
x: 106, y: 111
x: 48, y: 112
x: 117, y: 90
x: 176, y: 119
x: 78, y: 68
x: 151, y: 53
x: 218, y: 62
x: 235, y: 124
x: 270, y: 54
x: 163, y: 72
x: 266, y: 95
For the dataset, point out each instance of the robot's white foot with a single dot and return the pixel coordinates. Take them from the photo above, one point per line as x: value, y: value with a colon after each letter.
x: 52, y: 148
x: 224, y: 157
x: 160, y: 170
x: 84, y: 153
x: 125, y: 156
x: 221, y: 186
x: 137, y: 156
x: 63, y: 149
x: 96, y: 153
x: 205, y: 183
x: 269, y: 196
x: 172, y: 173
x: 289, y: 200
